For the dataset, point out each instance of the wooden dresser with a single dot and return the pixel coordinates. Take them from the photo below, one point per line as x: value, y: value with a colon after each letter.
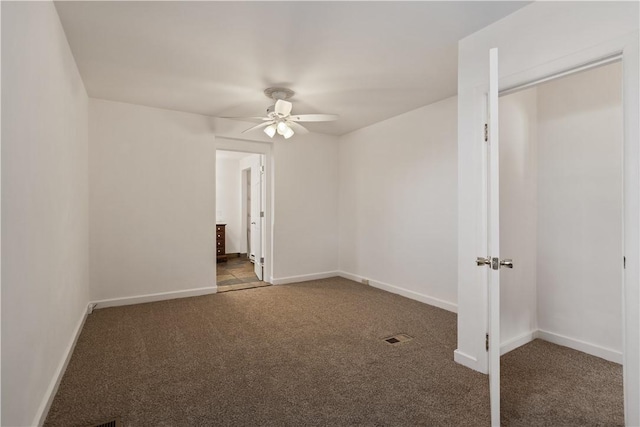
x: 221, y: 253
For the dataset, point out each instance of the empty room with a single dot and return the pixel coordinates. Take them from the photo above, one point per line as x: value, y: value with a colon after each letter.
x: 320, y: 213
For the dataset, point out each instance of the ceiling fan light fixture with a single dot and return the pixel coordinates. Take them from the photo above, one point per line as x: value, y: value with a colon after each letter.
x: 270, y: 130
x: 288, y: 133
x: 282, y: 128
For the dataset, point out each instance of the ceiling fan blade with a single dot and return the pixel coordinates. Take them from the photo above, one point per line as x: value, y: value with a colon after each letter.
x: 283, y: 108
x: 314, y: 117
x: 248, y: 119
x: 261, y: 125
x: 299, y: 129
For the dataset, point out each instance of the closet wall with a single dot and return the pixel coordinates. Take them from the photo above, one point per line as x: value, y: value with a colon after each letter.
x: 561, y: 212
x: 518, y: 215
x: 580, y: 207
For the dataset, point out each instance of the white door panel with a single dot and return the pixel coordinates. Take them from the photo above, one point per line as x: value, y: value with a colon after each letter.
x: 256, y: 219
x: 494, y: 240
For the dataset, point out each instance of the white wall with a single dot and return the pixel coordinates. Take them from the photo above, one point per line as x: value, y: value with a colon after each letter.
x: 538, y: 40
x: 302, y: 181
x: 152, y: 201
x: 228, y: 202
x: 518, y: 215
x: 305, y: 206
x: 580, y: 207
x: 44, y: 207
x: 398, y: 204
x: 561, y: 208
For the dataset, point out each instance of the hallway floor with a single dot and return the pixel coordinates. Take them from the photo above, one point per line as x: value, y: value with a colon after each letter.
x: 237, y: 274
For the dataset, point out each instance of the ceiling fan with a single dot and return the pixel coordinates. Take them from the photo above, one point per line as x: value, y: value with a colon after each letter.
x: 279, y: 119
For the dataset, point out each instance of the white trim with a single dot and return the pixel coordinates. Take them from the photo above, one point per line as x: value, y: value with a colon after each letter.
x: 519, y: 341
x: 45, y: 405
x: 585, y: 347
x: 516, y: 342
x: 445, y: 305
x: 631, y: 197
x: 350, y: 276
x: 139, y: 299
x: 465, y: 360
x: 304, y: 278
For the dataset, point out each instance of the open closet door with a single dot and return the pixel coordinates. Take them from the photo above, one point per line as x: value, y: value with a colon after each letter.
x: 257, y: 218
x: 494, y: 239
x: 492, y: 262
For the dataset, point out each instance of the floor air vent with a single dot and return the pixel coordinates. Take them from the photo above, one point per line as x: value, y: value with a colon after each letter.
x: 397, y: 339
x: 114, y: 422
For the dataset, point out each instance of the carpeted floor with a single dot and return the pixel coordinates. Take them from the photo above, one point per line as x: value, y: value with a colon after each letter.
x: 544, y: 384
x: 312, y: 354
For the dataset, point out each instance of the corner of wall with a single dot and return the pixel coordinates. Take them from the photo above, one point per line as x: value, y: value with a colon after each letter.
x: 51, y: 391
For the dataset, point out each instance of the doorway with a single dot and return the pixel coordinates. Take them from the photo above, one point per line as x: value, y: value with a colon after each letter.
x: 561, y: 221
x: 240, y: 225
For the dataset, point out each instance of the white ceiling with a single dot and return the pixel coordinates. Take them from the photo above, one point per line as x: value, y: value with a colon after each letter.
x: 366, y: 61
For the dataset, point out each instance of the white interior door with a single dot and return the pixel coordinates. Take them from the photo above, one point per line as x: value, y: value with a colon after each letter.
x: 494, y: 239
x: 247, y: 210
x: 492, y: 262
x: 256, y: 218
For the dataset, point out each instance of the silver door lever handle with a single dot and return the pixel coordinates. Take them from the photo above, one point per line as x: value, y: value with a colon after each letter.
x: 483, y: 261
x: 506, y: 263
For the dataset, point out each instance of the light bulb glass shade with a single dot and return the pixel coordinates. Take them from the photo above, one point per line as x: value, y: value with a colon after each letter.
x: 282, y: 128
x: 288, y: 133
x: 270, y: 130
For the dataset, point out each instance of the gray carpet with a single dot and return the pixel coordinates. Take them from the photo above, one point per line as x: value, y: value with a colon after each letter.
x: 543, y: 384
x: 306, y: 354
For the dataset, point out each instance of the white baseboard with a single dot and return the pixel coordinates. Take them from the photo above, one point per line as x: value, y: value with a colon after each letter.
x: 139, y: 299
x: 468, y: 361
x: 446, y: 305
x: 303, y: 278
x: 44, y: 407
x: 585, y: 347
x: 472, y: 363
x: 350, y: 276
x: 516, y: 342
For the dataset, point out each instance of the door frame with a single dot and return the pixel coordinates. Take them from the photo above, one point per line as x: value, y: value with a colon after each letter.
x: 628, y: 48
x: 264, y: 148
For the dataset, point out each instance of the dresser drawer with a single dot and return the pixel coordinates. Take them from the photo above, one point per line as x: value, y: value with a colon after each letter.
x: 221, y: 252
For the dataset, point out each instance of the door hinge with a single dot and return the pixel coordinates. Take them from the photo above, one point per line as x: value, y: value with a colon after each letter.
x: 261, y: 169
x: 261, y: 260
x: 486, y: 342
x: 486, y: 132
x: 261, y: 214
x: 624, y: 262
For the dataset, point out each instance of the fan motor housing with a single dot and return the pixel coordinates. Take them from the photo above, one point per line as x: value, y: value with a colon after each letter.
x: 276, y: 93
